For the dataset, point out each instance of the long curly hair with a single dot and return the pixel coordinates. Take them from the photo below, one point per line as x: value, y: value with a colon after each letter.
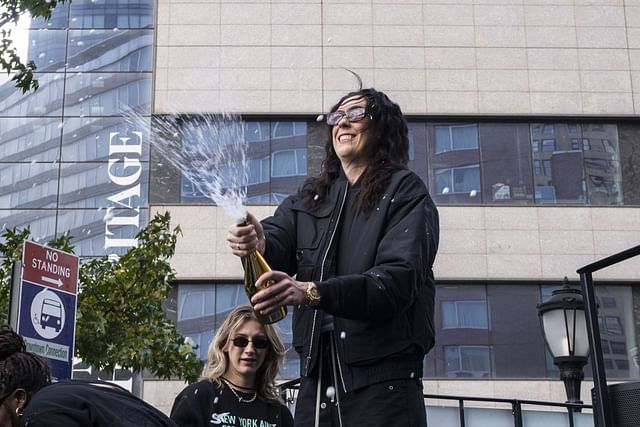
x: 387, y: 150
x: 20, y: 368
x: 218, y: 359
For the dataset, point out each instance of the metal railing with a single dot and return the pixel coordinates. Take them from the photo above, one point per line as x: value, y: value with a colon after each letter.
x: 289, y: 388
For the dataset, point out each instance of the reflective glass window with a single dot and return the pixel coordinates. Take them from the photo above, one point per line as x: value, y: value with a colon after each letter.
x: 464, y: 179
x: 456, y: 137
x: 46, y: 101
x: 558, y: 167
x: 107, y: 94
x: 256, y: 131
x: 29, y: 139
x: 122, y: 182
x: 111, y: 50
x: 45, y: 47
x: 41, y: 222
x: 468, y: 361
x: 28, y: 185
x: 465, y: 314
x: 454, y: 163
x: 602, y: 165
x: 418, y: 150
x: 506, y: 163
x: 100, y: 231
x: 628, y: 137
x: 59, y: 18
x: 111, y: 14
x: 289, y: 163
x: 101, y: 138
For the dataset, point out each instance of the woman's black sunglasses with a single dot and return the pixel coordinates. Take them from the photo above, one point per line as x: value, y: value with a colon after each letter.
x: 259, y: 343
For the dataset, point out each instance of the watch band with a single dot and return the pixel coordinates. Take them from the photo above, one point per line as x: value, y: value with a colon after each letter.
x: 312, y: 294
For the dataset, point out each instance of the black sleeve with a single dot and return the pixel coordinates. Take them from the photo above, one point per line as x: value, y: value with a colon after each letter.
x: 54, y: 419
x: 286, y: 417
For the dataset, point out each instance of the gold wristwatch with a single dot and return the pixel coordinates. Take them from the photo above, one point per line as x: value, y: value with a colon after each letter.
x: 313, y: 296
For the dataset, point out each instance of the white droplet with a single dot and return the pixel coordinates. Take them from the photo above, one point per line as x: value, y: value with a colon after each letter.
x: 331, y: 392
x: 316, y: 197
x: 320, y: 118
x: 42, y: 55
x: 473, y: 193
x: 215, y: 401
x: 343, y: 335
x: 108, y: 215
x: 445, y: 190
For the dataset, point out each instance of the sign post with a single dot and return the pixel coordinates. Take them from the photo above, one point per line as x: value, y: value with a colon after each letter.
x: 47, y: 305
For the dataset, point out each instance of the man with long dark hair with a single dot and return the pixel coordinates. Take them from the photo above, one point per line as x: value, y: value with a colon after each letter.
x: 353, y: 251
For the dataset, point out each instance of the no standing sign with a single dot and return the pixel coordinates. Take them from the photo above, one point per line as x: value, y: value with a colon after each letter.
x: 47, y: 305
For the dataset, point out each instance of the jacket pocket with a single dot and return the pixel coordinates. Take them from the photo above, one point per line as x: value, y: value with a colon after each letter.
x: 312, y: 227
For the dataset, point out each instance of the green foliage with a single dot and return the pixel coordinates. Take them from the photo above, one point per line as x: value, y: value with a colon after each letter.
x: 10, y: 61
x: 120, y: 318
x: 11, y: 251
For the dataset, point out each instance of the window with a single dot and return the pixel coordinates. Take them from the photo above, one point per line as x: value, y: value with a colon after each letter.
x: 256, y: 131
x: 548, y: 145
x: 613, y: 325
x: 289, y: 163
x: 258, y: 170
x: 622, y: 364
x: 286, y: 129
x: 535, y: 146
x: 456, y: 137
x: 464, y: 179
x: 618, y: 347
x: 468, y: 361
x: 465, y: 314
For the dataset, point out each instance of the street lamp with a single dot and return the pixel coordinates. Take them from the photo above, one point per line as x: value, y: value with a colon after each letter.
x: 564, y: 329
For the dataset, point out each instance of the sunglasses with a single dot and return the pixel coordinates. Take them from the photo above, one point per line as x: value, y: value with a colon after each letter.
x: 259, y: 343
x: 353, y: 115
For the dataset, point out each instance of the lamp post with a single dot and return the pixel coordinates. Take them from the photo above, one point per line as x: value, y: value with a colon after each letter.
x: 564, y: 328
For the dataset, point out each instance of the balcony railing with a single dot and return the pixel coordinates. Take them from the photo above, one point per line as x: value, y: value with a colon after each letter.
x: 523, y: 412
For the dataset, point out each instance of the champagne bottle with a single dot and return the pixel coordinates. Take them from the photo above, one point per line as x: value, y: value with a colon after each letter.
x: 254, y: 266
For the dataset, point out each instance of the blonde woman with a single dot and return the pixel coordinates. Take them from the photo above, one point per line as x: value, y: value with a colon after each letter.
x: 238, y: 384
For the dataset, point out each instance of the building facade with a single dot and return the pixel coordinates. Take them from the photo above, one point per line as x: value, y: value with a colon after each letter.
x: 523, y: 119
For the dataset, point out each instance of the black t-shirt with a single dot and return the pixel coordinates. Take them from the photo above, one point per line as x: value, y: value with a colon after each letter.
x: 203, y: 404
x: 90, y: 404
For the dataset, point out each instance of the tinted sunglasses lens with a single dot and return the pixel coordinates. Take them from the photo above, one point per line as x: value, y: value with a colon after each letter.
x: 240, y: 342
x: 356, y: 115
x: 334, y: 118
x: 260, y: 343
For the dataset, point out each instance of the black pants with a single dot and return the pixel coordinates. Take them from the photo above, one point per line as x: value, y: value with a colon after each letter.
x: 392, y: 403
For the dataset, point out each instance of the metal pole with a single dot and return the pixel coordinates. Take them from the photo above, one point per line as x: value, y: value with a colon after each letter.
x: 461, y: 411
x: 516, y: 409
x: 601, y: 406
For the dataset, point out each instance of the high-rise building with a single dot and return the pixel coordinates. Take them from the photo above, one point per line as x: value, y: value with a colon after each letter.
x: 523, y: 122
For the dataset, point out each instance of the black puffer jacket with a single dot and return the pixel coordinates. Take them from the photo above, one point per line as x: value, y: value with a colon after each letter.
x: 383, y: 307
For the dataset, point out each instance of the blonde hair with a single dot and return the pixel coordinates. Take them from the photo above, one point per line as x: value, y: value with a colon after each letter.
x: 218, y: 359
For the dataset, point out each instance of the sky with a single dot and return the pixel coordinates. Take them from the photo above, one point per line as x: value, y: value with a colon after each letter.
x: 19, y: 36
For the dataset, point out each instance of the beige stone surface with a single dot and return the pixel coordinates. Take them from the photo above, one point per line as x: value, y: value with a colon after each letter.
x: 599, y: 39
